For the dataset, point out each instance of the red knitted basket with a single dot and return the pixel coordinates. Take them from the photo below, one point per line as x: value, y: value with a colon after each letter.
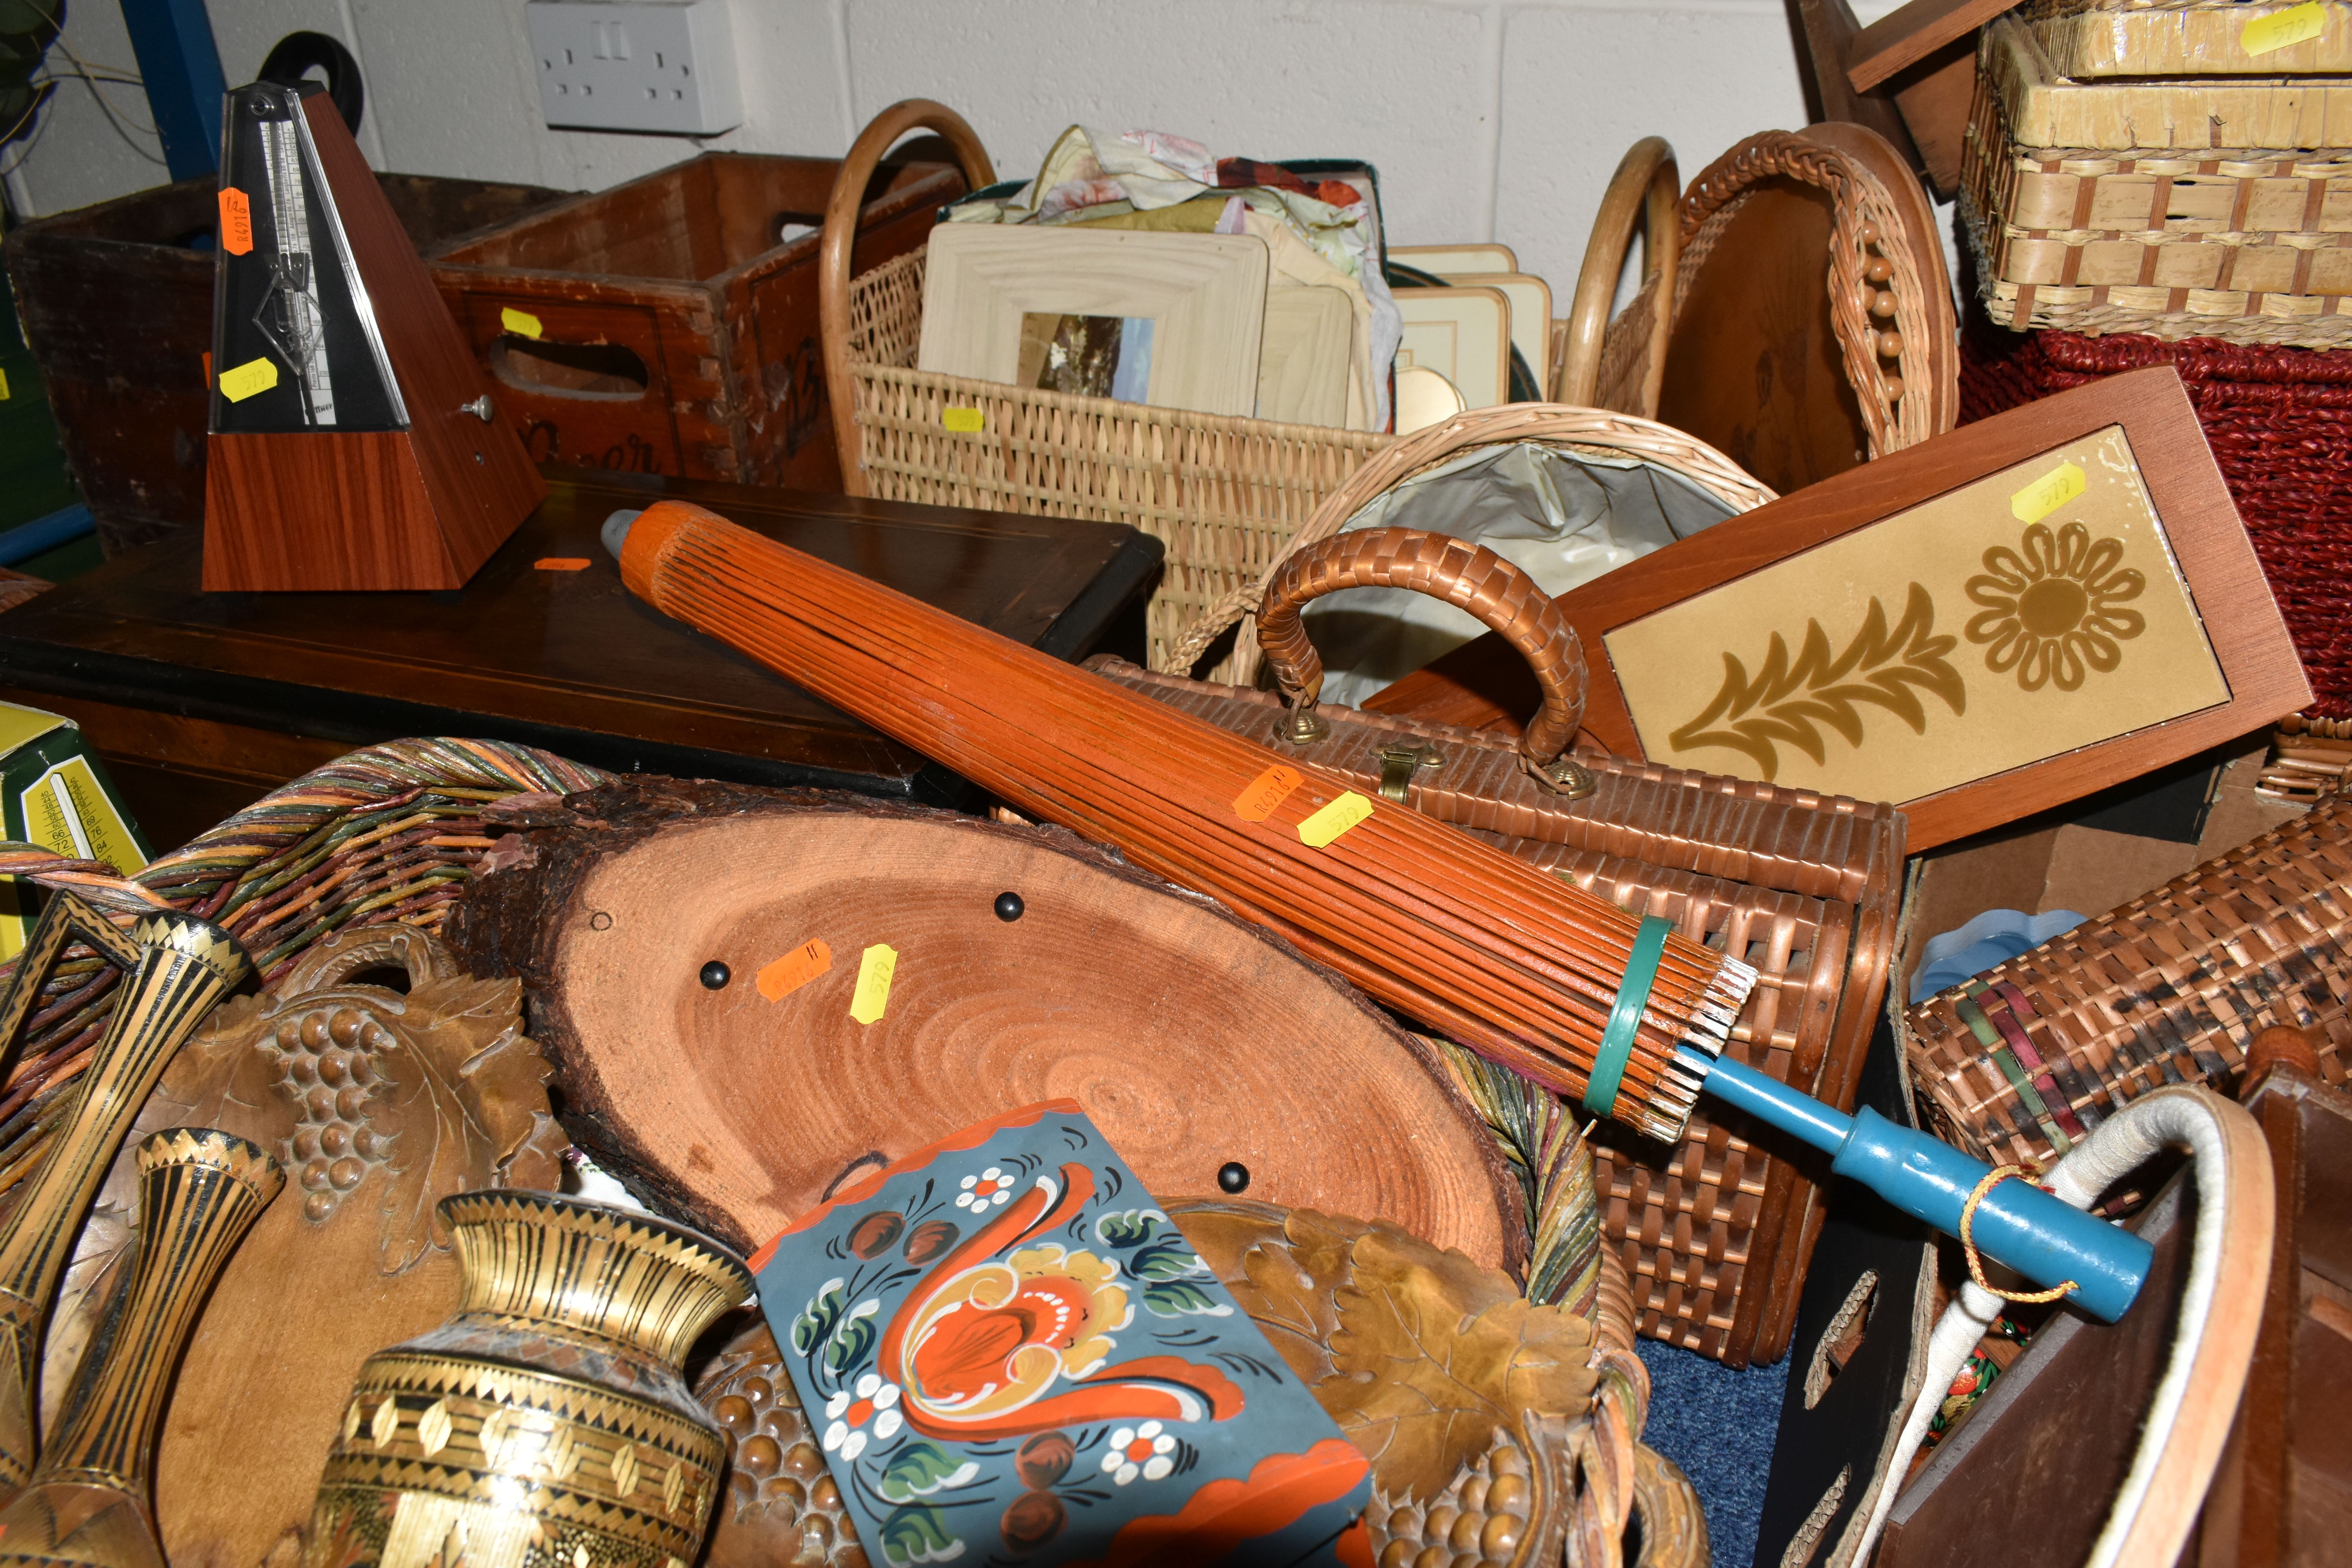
x: 2280, y: 422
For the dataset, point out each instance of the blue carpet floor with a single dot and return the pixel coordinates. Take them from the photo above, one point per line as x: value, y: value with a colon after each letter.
x: 1719, y: 1426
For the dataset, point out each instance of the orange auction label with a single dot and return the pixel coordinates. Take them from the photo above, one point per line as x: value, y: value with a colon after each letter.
x: 236, y: 221
x: 1266, y: 791
x: 561, y: 563
x: 794, y: 970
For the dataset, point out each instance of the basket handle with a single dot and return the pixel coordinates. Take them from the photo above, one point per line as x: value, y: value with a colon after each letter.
x: 1469, y: 576
x: 1647, y: 184
x: 833, y: 259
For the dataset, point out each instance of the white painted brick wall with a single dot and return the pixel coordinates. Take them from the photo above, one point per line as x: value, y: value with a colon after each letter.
x: 1498, y: 119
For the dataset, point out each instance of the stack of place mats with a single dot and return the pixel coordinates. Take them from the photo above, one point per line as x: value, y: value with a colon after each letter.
x: 2214, y: 206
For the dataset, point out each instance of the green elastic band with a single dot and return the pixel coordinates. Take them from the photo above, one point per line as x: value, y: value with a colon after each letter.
x: 1632, y: 996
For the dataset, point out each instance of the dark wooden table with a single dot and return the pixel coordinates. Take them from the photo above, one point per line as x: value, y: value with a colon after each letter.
x: 201, y: 702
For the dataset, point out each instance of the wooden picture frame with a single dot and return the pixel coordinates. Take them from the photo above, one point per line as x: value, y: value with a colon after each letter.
x: 1205, y: 292
x: 2260, y: 677
x: 1445, y: 260
x: 1304, y: 357
x: 1463, y: 334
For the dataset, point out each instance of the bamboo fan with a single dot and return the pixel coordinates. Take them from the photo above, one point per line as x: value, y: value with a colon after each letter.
x: 1520, y: 966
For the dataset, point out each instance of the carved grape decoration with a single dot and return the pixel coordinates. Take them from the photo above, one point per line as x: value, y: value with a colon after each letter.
x: 330, y: 1060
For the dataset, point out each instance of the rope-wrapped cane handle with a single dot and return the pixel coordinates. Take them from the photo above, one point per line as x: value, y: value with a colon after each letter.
x: 835, y: 250
x: 1468, y: 576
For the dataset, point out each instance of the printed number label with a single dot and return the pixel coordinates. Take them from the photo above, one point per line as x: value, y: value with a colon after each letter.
x: 875, y: 971
x: 794, y: 970
x: 2048, y: 493
x: 1266, y: 791
x: 1333, y: 820
x: 236, y: 221
x: 2295, y: 25
x: 522, y: 323
x: 254, y: 375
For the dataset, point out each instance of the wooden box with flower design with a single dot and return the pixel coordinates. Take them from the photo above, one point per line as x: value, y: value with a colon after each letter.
x: 1995, y: 622
x: 1144, y: 1416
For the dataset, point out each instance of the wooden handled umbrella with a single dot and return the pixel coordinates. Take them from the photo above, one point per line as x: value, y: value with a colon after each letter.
x: 1614, y: 1010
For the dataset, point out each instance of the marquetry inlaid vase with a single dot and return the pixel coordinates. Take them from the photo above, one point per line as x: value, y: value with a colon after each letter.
x: 547, y: 1424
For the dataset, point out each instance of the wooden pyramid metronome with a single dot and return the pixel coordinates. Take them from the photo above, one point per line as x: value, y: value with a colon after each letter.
x: 353, y: 439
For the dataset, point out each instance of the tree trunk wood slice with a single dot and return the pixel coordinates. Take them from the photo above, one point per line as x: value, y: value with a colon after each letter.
x: 1194, y: 1040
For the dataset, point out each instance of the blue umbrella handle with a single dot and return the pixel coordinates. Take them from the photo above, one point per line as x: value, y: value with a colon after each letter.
x: 2044, y: 1237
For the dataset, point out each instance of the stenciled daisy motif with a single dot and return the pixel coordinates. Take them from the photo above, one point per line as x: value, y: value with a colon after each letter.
x: 987, y: 1190
x: 2050, y: 608
x: 1147, y: 1451
x: 847, y: 1432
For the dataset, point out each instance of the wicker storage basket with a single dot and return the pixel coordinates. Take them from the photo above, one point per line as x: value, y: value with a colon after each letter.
x: 2170, y: 988
x: 2219, y: 207
x: 1224, y: 495
x: 2189, y: 38
x: 2280, y: 422
x: 389, y: 833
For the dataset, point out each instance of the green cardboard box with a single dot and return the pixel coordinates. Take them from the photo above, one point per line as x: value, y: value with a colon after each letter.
x: 55, y: 792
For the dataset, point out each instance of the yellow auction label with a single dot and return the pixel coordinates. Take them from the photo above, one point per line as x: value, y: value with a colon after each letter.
x: 874, y: 973
x: 965, y: 420
x: 2294, y: 25
x: 254, y: 375
x: 797, y: 969
x: 2048, y: 493
x: 1334, y: 819
x: 4, y: 387
x: 521, y: 322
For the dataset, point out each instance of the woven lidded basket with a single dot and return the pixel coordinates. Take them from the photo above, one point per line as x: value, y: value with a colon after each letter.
x: 2191, y: 38
x: 2219, y: 207
x: 2021, y: 1061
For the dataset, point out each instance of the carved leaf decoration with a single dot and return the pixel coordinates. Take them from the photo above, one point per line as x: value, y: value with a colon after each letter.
x: 1422, y: 1385
x: 1786, y: 702
x: 465, y: 1092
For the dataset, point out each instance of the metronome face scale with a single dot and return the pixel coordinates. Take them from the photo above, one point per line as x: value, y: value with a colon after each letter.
x: 296, y: 340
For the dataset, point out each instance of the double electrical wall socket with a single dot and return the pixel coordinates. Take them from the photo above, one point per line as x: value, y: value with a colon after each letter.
x: 664, y: 66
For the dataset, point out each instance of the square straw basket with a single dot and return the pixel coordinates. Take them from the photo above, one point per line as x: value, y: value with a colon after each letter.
x: 1224, y: 494
x: 2219, y: 206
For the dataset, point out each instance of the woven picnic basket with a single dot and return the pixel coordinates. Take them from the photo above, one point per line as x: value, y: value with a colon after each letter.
x: 1224, y: 494
x: 2214, y: 207
x: 1714, y: 1232
x: 2020, y: 1062
x: 390, y: 832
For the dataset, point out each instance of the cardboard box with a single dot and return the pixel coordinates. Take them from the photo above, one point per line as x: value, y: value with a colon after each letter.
x: 54, y: 792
